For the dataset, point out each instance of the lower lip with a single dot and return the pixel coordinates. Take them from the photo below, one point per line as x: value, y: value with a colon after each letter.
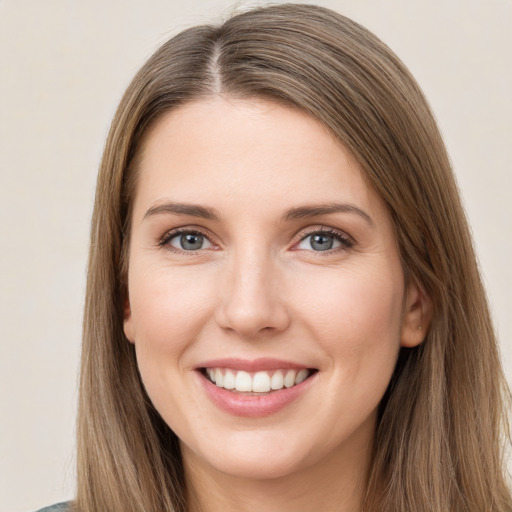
x: 251, y: 405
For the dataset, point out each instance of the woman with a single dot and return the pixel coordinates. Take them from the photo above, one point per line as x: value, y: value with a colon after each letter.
x: 283, y: 306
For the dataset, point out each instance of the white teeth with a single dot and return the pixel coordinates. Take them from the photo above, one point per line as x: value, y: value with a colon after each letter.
x: 301, y: 376
x: 219, y: 378
x: 289, y: 379
x: 277, y: 380
x: 259, y: 382
x: 229, y: 380
x: 243, y: 382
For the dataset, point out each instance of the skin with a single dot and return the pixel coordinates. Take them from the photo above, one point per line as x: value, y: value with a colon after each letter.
x: 257, y: 288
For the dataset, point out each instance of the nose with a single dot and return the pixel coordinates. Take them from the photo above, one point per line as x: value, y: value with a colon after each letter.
x: 251, y: 301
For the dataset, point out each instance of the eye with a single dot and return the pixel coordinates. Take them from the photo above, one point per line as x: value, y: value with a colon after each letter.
x: 324, y: 241
x: 188, y: 241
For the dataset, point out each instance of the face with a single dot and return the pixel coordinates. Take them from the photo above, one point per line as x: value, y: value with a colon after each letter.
x: 267, y: 301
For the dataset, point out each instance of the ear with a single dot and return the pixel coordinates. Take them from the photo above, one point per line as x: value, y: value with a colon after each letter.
x: 128, y: 321
x: 417, y: 315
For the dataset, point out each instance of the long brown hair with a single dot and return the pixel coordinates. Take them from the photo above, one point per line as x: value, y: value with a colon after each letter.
x: 442, y: 419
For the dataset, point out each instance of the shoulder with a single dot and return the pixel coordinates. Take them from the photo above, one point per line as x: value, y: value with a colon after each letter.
x: 58, y: 507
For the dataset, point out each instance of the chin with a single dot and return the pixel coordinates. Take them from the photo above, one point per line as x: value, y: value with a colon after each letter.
x: 258, y: 458
x: 259, y: 467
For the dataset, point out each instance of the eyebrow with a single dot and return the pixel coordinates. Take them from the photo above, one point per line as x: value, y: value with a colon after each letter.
x: 302, y: 212
x: 299, y: 212
x: 183, y: 209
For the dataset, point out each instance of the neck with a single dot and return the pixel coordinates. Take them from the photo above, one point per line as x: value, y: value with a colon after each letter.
x: 335, y: 484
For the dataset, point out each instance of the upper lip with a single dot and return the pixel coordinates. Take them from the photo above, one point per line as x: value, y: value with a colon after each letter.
x: 254, y: 365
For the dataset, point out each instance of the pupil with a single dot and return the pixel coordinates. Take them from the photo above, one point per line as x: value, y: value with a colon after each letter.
x: 191, y: 242
x: 322, y: 242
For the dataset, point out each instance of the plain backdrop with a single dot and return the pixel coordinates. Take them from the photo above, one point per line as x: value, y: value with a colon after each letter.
x: 63, y: 67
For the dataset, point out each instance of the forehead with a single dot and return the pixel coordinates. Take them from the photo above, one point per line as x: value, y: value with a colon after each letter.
x: 247, y: 151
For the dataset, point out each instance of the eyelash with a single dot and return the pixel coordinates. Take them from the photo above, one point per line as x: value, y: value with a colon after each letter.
x: 345, y: 241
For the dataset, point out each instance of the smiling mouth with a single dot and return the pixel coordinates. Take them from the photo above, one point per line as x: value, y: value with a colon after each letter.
x: 239, y: 381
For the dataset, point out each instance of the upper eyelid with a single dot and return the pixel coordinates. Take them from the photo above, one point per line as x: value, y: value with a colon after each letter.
x: 305, y: 232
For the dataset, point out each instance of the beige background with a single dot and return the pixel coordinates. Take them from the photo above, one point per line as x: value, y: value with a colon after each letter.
x: 64, y: 65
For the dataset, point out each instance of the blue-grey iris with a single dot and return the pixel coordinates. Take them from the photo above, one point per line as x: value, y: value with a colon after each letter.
x: 321, y: 242
x: 191, y: 241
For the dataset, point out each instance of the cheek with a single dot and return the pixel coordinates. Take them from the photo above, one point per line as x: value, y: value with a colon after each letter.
x: 357, y: 316
x: 168, y: 309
